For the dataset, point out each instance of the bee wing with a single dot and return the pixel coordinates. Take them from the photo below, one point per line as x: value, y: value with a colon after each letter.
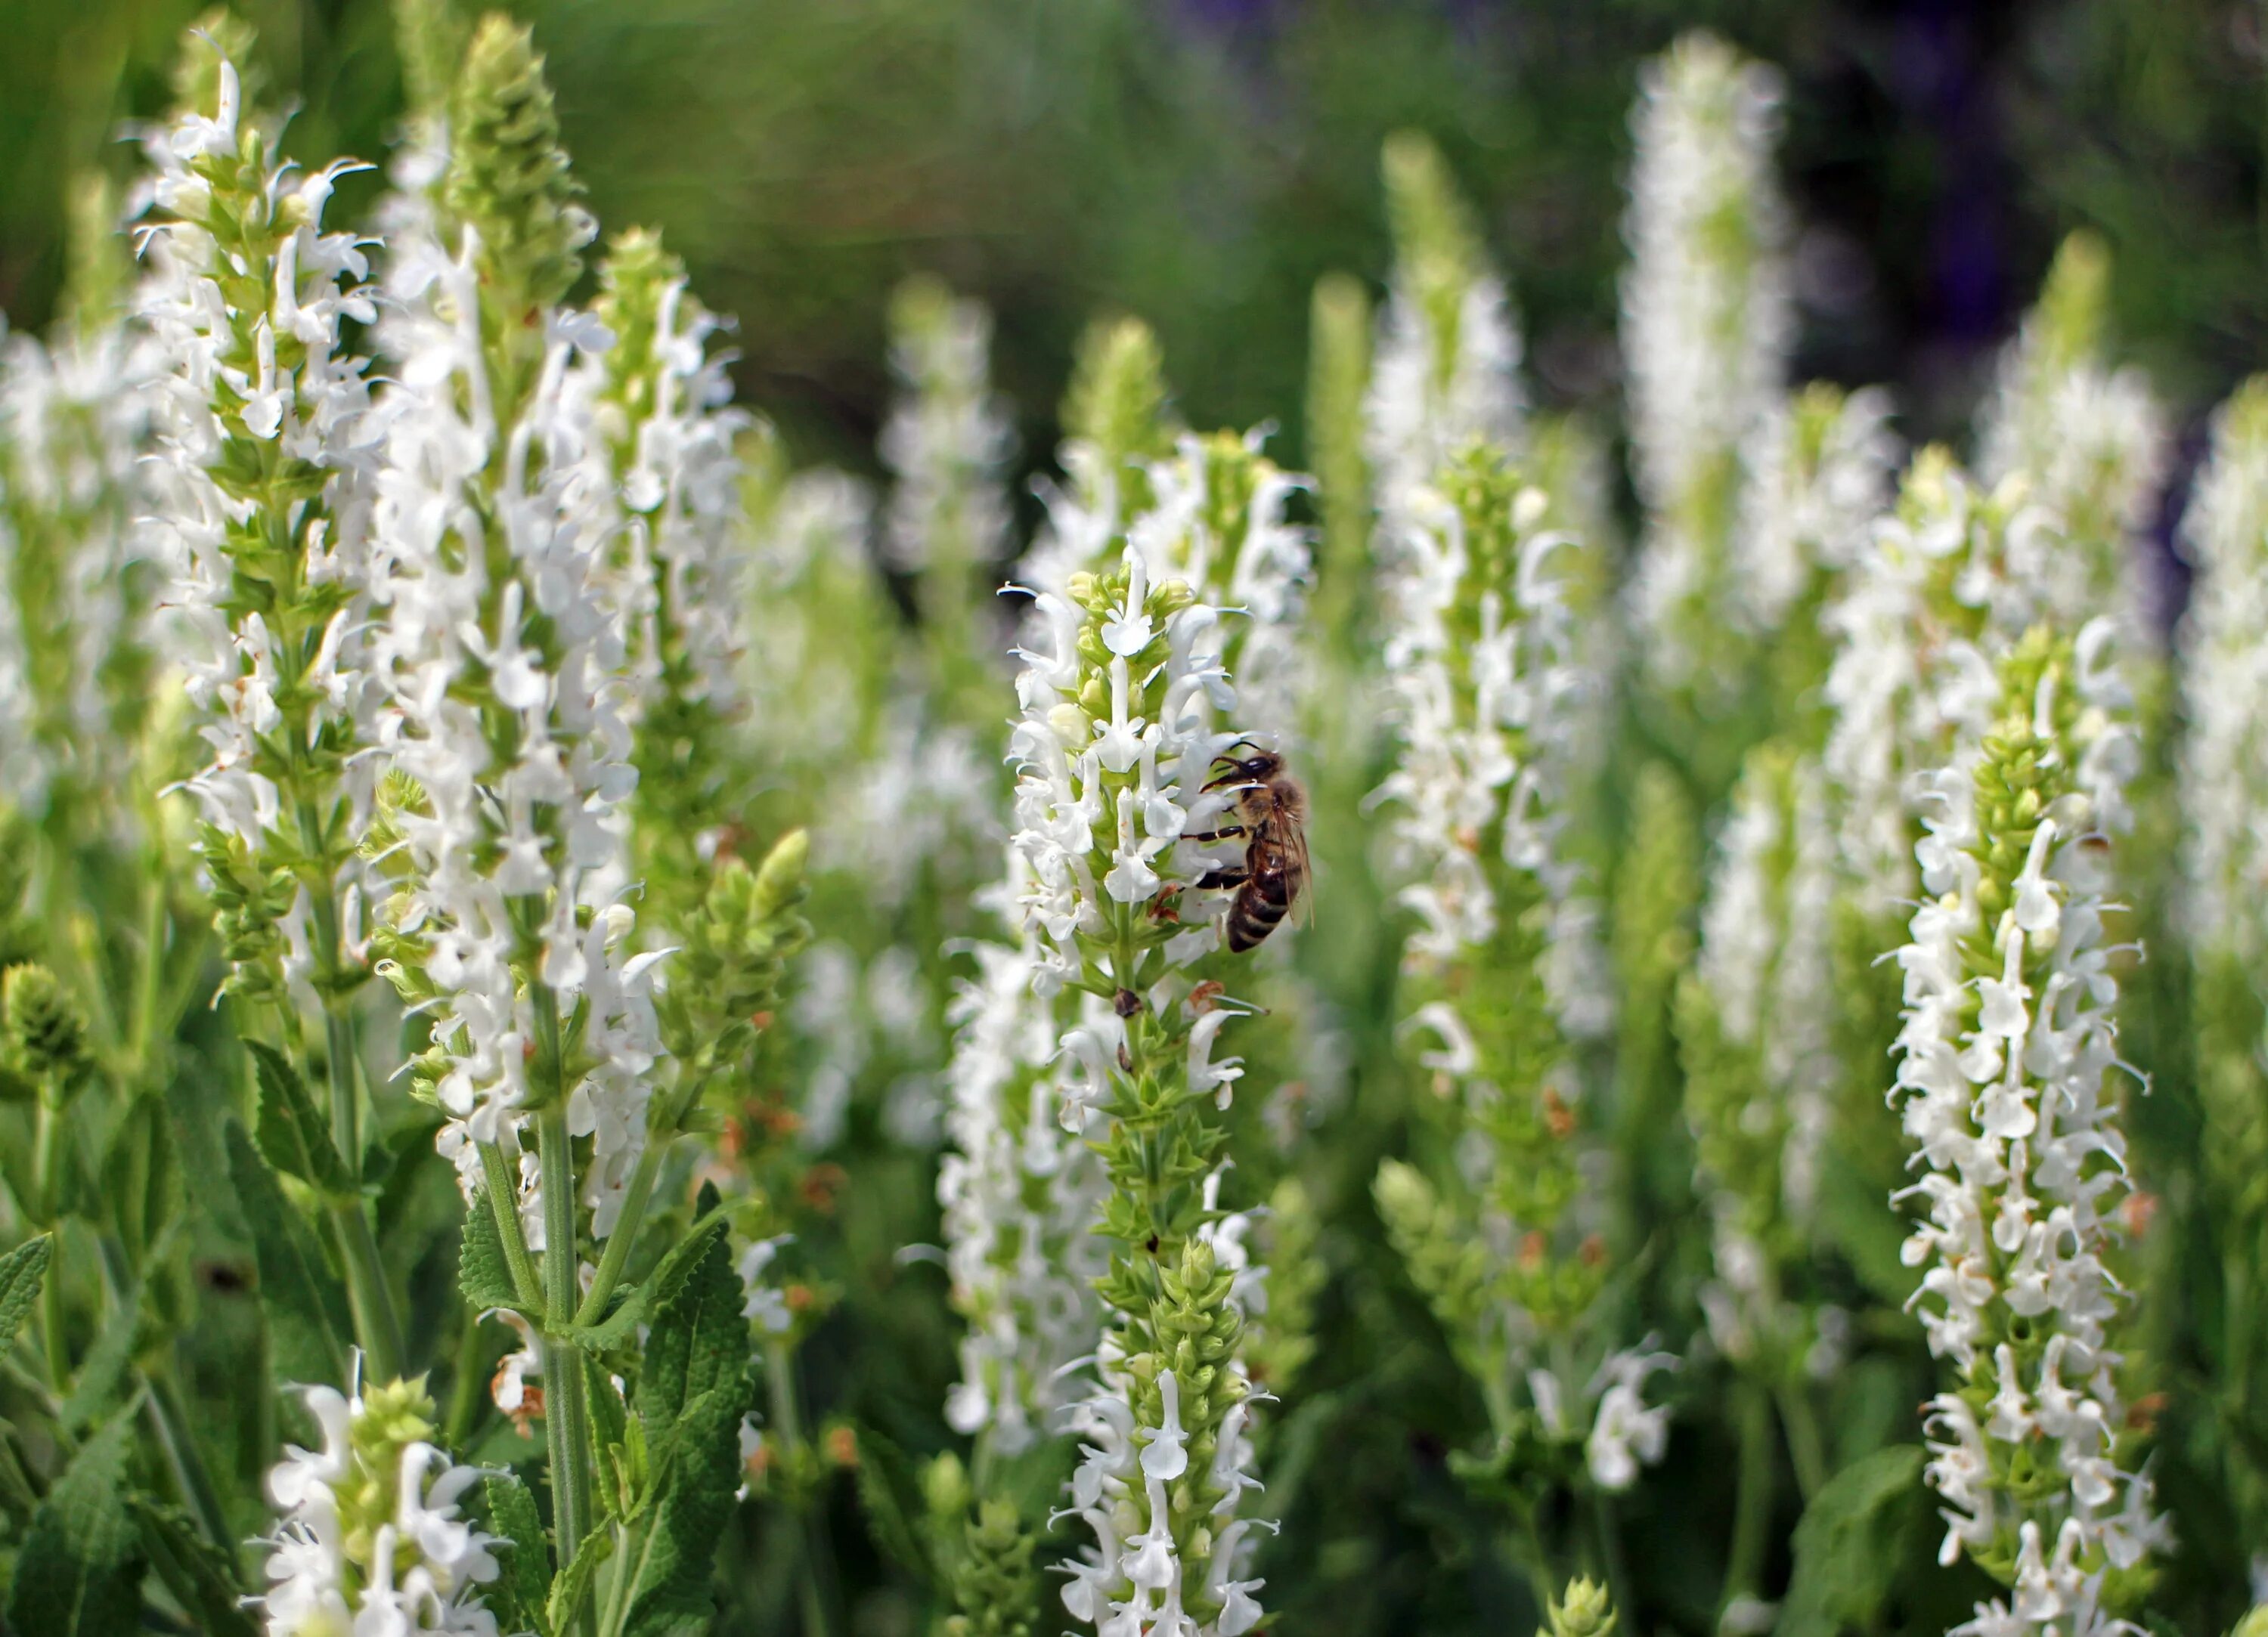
x: 1303, y: 901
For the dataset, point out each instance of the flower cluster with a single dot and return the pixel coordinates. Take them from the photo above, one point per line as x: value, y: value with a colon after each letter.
x: 663, y: 429
x: 2225, y: 768
x: 506, y: 654
x: 1480, y: 651
x: 1950, y: 573
x: 1124, y: 821
x: 371, y: 1539
x: 75, y: 641
x: 1818, y: 474
x: 1754, y: 1020
x: 1706, y: 327
x: 263, y: 489
x: 1020, y: 1195
x: 2090, y: 440
x: 2004, y: 1088
x: 946, y: 440
x: 1445, y: 371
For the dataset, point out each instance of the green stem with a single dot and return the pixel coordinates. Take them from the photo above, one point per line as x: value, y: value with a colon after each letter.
x: 1611, y: 1548
x: 1753, y: 1501
x: 46, y: 1159
x: 369, y: 1302
x: 566, y: 1418
x: 617, y: 1252
x: 1806, y: 1447
x: 169, y: 1420
x: 17, y: 1493
x: 150, y: 976
x: 503, y: 1192
x: 815, y: 1583
x: 466, y: 1380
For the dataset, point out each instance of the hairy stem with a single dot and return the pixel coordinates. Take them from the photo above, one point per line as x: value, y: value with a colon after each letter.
x: 46, y: 1159
x: 617, y: 1252
x: 503, y: 1192
x: 169, y: 1420
x: 815, y: 1584
x: 566, y: 1418
x: 1753, y: 1501
x: 1807, y: 1447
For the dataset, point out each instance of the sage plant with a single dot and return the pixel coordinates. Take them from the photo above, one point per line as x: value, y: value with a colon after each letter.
x: 1506, y: 1242
x: 2004, y: 1087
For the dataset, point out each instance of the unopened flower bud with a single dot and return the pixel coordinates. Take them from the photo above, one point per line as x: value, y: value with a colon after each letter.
x: 45, y: 1032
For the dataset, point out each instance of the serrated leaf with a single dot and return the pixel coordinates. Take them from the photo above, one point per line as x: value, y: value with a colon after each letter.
x: 484, y: 1276
x: 885, y: 1483
x: 698, y: 1340
x: 200, y: 1575
x: 696, y: 1474
x: 573, y: 1585
x: 618, y: 1443
x: 294, y: 1138
x: 21, y: 1270
x: 667, y: 1280
x: 1851, y: 1544
x: 103, y: 1374
x: 519, y: 1593
x: 693, y: 1390
x: 142, y: 1179
x: 79, y: 1573
x: 308, y: 1328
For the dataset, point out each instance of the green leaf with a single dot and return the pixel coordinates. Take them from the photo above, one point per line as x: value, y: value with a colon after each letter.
x: 79, y: 1573
x: 569, y: 1589
x: 199, y: 1574
x: 484, y: 1276
x: 619, y: 1443
x: 21, y: 1270
x: 142, y: 1179
x: 295, y: 1139
x: 886, y: 1484
x: 693, y: 1390
x: 698, y: 1340
x: 103, y: 1374
x: 667, y: 1280
x: 697, y: 1473
x: 519, y: 1594
x: 307, y: 1325
x: 1851, y: 1542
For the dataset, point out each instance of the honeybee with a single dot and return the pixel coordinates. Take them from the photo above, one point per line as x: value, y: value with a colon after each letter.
x: 1272, y: 813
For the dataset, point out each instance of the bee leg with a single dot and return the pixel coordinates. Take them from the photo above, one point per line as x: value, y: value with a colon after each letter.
x: 1214, y: 835
x: 1236, y: 875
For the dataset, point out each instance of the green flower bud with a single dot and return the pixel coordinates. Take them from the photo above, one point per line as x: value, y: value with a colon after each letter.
x: 391, y: 1418
x: 218, y: 35
x: 1583, y: 1610
x: 1435, y: 243
x: 995, y: 1589
x: 508, y: 175
x: 2074, y: 305
x: 45, y: 1032
x: 429, y: 35
x: 779, y: 878
x: 1116, y: 402
x: 945, y: 1486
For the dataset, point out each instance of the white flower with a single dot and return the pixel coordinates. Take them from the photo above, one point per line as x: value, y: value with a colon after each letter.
x: 1626, y: 1432
x: 1707, y: 323
x: 407, y: 1565
x: 2224, y: 643
x: 74, y: 423
x: 948, y: 439
x: 2009, y: 1042
x: 2090, y: 441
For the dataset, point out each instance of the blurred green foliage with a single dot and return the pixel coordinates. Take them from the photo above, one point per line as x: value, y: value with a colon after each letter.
x: 1202, y: 162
